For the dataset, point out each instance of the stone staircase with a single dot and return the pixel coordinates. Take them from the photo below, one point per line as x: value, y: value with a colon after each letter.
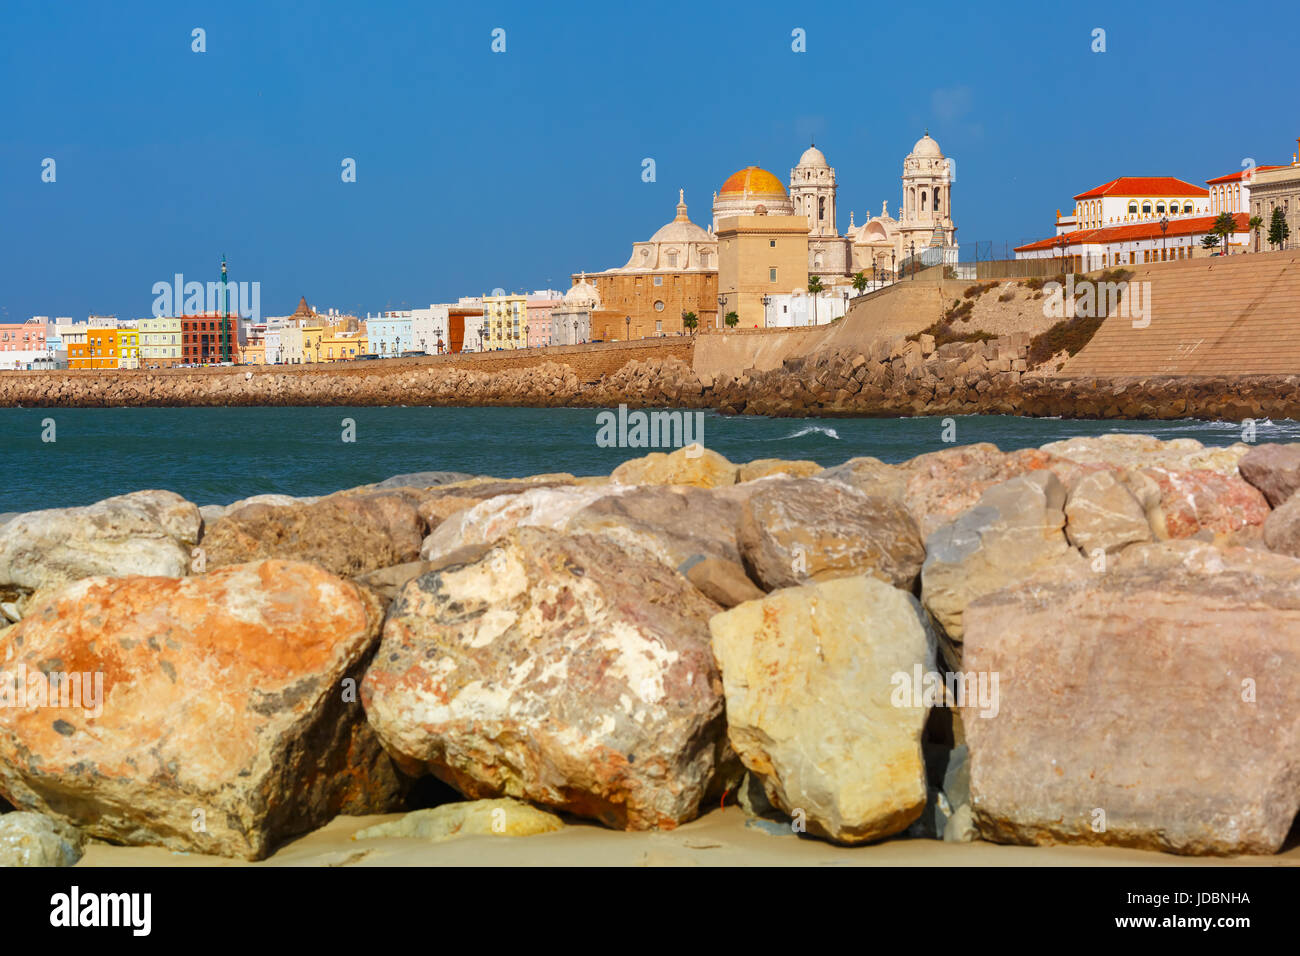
x: 1227, y: 315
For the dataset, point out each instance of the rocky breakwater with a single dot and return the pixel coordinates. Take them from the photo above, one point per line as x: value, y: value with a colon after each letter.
x: 894, y: 377
x: 1096, y: 641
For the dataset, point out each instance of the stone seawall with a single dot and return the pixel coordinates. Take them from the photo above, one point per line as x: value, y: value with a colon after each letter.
x: 891, y: 378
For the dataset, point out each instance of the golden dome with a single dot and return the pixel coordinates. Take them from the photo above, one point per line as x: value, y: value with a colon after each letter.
x: 751, y: 181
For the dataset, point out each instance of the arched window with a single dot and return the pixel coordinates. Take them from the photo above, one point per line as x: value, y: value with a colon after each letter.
x: 922, y: 200
x: 1160, y: 208
x: 821, y: 207
x: 1132, y: 208
x: 1187, y: 207
x: 1146, y: 208
x: 936, y: 199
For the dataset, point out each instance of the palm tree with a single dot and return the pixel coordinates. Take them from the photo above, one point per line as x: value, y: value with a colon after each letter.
x: 690, y: 320
x: 1225, y: 225
x: 815, y: 286
x: 1211, y: 241
x: 860, y: 281
x: 731, y: 320
x: 1256, y: 224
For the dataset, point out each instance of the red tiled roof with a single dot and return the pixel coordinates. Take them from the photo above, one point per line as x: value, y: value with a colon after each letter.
x: 1234, y: 177
x: 1144, y: 186
x: 1132, y: 232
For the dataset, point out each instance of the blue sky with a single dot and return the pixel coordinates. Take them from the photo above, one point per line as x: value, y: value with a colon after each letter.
x: 478, y: 170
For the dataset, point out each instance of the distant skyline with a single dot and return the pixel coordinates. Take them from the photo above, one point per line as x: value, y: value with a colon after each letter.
x: 477, y: 169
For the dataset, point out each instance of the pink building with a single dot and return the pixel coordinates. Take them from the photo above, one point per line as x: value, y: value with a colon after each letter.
x: 23, y: 342
x: 540, y: 305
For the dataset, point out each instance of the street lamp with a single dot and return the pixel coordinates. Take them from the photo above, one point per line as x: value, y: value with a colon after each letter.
x: 767, y: 300
x: 893, y: 269
x: 628, y: 320
x: 1164, y: 244
x: 912, y: 257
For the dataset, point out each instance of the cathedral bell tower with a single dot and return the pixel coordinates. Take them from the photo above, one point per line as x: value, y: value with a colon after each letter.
x: 812, y: 190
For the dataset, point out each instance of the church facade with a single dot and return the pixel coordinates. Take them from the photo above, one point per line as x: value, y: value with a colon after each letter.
x: 757, y: 217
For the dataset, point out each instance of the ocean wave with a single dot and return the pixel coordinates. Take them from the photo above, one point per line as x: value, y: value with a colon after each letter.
x: 810, y: 430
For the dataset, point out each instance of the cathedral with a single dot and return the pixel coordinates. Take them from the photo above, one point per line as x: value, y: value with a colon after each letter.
x: 765, y: 241
x: 926, y: 228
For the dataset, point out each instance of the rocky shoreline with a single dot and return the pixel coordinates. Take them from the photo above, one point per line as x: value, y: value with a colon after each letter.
x: 1094, y: 642
x: 896, y: 377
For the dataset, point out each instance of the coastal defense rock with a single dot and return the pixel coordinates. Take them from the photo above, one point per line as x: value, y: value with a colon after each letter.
x: 721, y: 581
x: 422, y: 479
x: 1086, y: 747
x: 870, y: 476
x: 145, y: 532
x: 1274, y: 470
x: 497, y: 516
x: 943, y: 484
x: 1015, y: 529
x: 763, y: 467
x: 503, y: 817
x: 1102, y: 514
x: 1124, y: 450
x: 697, y: 466
x: 345, y: 534
x: 809, y: 676
x: 438, y: 504
x: 1282, y: 528
x: 796, y: 530
x: 674, y: 523
x: 565, y: 670
x: 33, y: 839
x: 218, y: 713
x: 1204, y: 500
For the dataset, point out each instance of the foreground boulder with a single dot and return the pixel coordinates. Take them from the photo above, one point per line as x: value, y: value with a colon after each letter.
x: 675, y: 523
x: 565, y: 670
x: 33, y: 839
x: 1102, y: 514
x: 1153, y: 706
x: 345, y: 534
x: 941, y: 485
x: 1274, y: 470
x: 796, y: 530
x: 145, y: 532
x: 211, y: 714
x: 1015, y: 529
x: 495, y: 517
x: 809, y: 676
x: 692, y: 465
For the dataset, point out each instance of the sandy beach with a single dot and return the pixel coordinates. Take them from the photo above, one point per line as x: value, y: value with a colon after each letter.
x: 720, y: 838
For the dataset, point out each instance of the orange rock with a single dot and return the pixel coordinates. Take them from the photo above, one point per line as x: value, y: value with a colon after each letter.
x: 223, y: 721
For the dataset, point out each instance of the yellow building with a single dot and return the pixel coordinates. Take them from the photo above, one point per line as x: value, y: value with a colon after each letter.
x: 758, y: 256
x: 160, y: 342
x: 339, y: 343
x: 505, y: 322
x: 126, y: 347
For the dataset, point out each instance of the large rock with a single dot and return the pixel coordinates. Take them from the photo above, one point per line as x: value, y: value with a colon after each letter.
x: 764, y: 467
x: 345, y: 534
x: 870, y: 476
x: 503, y: 817
x: 224, y: 716
x: 422, y: 479
x: 810, y: 676
x: 438, y: 504
x: 721, y: 581
x: 145, y: 532
x: 692, y: 465
x: 1274, y: 470
x: 675, y: 523
x: 1202, y: 500
x: 1015, y: 529
x: 1153, y: 706
x: 565, y: 670
x: 942, y: 484
x: 495, y: 517
x: 1282, y: 528
x: 1101, y: 513
x: 33, y: 839
x: 1124, y: 450
x: 796, y: 530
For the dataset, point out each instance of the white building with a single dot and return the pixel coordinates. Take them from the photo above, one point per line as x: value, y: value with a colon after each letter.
x: 800, y: 308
